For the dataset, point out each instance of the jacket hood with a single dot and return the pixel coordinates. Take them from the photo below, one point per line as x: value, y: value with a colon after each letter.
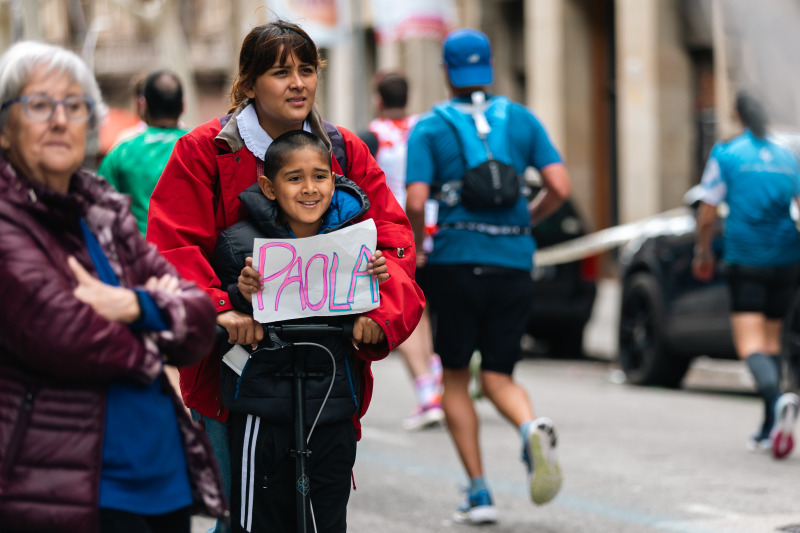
x: 349, y: 203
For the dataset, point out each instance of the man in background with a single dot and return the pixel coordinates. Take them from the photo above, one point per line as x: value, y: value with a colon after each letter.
x: 134, y: 165
x: 480, y: 285
x: 391, y: 130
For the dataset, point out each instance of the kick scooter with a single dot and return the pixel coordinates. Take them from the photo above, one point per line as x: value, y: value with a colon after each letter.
x: 289, y: 336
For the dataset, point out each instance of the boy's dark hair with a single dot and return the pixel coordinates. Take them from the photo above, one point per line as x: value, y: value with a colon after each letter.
x: 752, y: 113
x: 393, y: 90
x: 163, y: 94
x: 280, y: 149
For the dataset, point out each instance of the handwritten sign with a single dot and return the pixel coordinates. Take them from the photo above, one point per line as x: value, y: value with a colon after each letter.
x: 323, y: 275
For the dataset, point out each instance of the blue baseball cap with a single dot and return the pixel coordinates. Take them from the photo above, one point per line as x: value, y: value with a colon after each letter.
x: 467, y: 55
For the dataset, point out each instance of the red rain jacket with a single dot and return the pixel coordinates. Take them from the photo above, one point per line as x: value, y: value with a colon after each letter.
x: 197, y: 198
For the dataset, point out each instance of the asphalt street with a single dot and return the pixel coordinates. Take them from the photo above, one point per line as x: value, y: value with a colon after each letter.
x: 636, y: 460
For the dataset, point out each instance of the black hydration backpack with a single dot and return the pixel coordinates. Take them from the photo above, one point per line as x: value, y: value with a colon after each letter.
x: 490, y: 183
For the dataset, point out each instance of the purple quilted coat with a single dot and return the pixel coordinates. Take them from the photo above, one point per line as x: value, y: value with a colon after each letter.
x: 57, y: 355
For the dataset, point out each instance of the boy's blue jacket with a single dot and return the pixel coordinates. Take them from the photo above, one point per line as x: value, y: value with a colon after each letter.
x: 260, y: 391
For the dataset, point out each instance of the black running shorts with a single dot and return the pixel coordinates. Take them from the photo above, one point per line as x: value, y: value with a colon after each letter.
x: 479, y: 307
x: 766, y: 290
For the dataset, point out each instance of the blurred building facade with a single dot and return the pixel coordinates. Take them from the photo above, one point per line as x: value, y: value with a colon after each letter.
x: 634, y: 92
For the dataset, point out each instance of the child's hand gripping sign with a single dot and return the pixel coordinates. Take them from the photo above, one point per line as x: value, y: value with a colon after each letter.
x: 323, y: 275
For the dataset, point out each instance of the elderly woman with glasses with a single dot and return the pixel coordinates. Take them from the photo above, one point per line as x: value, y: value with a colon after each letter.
x: 92, y: 438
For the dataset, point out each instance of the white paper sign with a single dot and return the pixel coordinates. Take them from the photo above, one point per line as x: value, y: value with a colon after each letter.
x: 323, y: 275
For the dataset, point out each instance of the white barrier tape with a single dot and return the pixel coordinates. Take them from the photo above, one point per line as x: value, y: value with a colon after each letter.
x: 678, y: 220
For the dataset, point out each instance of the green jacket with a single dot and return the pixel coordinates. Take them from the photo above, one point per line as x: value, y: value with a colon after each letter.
x: 134, y: 166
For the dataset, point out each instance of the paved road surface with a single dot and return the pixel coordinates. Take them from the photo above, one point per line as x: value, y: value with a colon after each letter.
x: 637, y: 460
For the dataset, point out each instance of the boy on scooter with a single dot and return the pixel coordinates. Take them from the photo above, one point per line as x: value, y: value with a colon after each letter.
x: 298, y: 196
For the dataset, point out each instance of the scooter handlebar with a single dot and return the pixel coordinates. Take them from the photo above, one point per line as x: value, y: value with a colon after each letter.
x: 314, y: 330
x: 300, y: 330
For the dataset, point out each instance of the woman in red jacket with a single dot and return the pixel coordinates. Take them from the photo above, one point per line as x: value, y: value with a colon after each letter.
x: 197, y: 198
x: 92, y: 436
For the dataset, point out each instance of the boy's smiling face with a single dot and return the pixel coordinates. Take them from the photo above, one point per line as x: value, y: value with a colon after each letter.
x: 303, y: 188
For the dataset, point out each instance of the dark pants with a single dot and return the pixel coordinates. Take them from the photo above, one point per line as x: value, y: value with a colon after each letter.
x: 479, y: 307
x: 113, y: 521
x: 766, y: 290
x: 263, y: 494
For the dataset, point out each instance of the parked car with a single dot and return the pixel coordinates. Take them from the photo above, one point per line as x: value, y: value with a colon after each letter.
x: 564, y: 293
x: 667, y: 317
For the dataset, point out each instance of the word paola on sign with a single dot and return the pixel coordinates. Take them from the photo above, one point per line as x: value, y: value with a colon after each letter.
x: 323, y: 275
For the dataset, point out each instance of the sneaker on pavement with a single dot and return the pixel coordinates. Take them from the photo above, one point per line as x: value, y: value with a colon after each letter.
x: 425, y: 416
x: 478, y: 509
x: 540, y: 457
x: 758, y: 443
x: 785, y: 416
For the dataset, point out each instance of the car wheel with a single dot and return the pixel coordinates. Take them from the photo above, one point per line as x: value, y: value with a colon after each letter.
x: 642, y: 351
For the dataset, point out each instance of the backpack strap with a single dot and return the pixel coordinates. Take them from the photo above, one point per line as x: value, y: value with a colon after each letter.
x: 223, y: 120
x: 491, y: 229
x: 337, y: 144
x: 469, y: 142
x: 474, y: 139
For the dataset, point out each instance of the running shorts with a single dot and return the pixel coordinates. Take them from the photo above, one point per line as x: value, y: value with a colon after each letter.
x: 767, y: 290
x: 479, y: 307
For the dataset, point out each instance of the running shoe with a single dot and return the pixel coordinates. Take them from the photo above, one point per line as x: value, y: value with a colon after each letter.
x: 759, y: 443
x: 478, y: 509
x: 785, y: 416
x: 540, y: 458
x: 425, y: 415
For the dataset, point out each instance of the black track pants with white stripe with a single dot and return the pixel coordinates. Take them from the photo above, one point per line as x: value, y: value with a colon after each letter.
x: 263, y: 475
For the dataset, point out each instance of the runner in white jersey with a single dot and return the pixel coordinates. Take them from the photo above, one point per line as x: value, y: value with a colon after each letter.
x: 392, y: 134
x: 391, y: 129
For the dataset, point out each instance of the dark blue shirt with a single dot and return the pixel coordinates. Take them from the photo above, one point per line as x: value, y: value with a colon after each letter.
x: 144, y: 465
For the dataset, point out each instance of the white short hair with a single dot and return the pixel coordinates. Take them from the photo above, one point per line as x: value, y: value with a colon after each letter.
x: 20, y: 62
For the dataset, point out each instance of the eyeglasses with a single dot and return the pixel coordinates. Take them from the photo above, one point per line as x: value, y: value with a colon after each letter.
x: 41, y: 107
